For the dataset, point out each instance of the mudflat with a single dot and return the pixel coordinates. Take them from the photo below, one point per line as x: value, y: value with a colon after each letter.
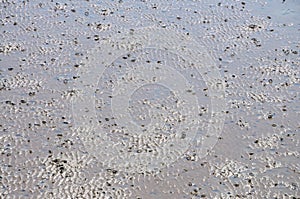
x: 149, y: 99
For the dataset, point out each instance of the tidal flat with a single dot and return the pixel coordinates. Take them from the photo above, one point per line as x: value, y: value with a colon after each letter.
x: 149, y: 99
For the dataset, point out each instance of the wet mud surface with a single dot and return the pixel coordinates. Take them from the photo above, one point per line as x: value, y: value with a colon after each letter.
x: 149, y: 99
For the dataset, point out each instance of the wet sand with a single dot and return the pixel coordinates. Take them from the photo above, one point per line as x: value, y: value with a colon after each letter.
x: 139, y: 99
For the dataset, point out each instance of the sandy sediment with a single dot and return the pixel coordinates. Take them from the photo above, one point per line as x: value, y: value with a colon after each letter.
x: 139, y: 99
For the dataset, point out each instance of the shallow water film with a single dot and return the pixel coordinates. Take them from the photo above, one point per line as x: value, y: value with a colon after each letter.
x: 149, y: 99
